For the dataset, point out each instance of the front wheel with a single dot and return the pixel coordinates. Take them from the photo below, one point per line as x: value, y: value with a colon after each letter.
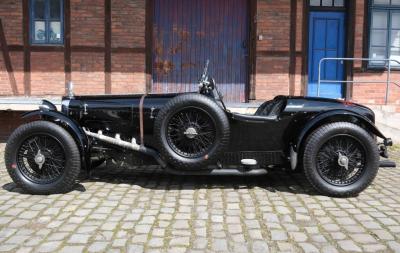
x: 42, y: 158
x: 340, y: 159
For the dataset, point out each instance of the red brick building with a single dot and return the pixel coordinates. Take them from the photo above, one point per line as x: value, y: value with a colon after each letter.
x: 258, y: 48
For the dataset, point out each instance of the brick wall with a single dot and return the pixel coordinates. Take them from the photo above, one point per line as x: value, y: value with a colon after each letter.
x: 87, y: 22
x: 87, y: 31
x: 48, y: 78
x: 273, y: 52
x: 11, y: 16
x: 17, y: 59
x: 128, y: 23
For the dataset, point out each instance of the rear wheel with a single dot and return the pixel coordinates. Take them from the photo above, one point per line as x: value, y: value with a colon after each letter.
x: 340, y: 159
x: 42, y: 158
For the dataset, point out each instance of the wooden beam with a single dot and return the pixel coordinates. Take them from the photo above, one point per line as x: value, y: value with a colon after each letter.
x: 67, y: 43
x: 78, y: 48
x: 7, y: 60
x: 293, y: 38
x: 107, y: 45
x: 277, y: 53
x: 351, y: 26
x: 149, y: 44
x: 365, y: 35
x: 27, y: 50
x: 304, y: 39
x: 252, y: 59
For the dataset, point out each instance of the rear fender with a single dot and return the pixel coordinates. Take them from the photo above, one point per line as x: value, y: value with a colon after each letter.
x: 68, y: 124
x: 335, y: 116
x: 297, y: 143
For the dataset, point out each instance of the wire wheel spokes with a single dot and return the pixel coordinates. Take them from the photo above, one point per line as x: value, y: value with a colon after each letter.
x: 341, y: 160
x: 41, y: 159
x: 191, y: 132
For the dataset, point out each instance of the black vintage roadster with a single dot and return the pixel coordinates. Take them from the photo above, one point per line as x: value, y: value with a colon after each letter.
x: 334, y: 142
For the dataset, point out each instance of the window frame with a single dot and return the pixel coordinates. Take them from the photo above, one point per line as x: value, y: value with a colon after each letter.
x: 327, y: 6
x: 47, y: 19
x: 389, y: 9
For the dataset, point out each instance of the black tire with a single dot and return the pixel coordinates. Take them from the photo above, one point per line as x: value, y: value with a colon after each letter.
x: 354, y: 145
x: 62, y: 158
x: 217, y: 138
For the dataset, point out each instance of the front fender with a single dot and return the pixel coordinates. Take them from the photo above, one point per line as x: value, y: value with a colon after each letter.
x: 70, y: 125
x: 335, y: 116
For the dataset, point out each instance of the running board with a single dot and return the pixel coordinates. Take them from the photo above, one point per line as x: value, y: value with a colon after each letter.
x: 234, y: 172
x: 387, y: 164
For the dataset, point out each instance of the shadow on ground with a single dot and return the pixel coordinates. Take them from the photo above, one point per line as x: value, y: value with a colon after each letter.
x: 156, y: 179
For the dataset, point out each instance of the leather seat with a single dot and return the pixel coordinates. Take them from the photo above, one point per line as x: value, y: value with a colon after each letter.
x: 271, y: 108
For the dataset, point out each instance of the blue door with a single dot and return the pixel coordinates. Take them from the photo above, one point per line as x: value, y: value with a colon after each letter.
x: 326, y: 39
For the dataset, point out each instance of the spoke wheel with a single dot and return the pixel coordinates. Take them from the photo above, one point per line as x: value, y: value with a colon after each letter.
x: 191, y: 132
x: 41, y: 159
x: 341, y: 160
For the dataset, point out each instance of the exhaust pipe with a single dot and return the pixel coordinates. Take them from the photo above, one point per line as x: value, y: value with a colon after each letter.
x: 128, y: 145
x: 115, y: 141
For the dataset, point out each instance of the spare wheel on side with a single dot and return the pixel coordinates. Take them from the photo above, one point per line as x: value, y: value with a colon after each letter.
x: 192, y: 131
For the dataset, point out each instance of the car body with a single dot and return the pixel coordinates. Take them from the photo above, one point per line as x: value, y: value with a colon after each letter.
x: 252, y: 136
x: 194, y: 133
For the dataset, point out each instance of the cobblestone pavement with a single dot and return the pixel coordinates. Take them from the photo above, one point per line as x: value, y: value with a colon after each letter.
x: 159, y: 213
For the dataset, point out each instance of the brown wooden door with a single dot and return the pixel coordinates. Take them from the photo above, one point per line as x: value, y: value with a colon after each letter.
x: 188, y: 32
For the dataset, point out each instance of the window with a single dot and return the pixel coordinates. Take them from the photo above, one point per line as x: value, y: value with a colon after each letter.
x: 327, y: 3
x: 384, y: 39
x: 47, y: 22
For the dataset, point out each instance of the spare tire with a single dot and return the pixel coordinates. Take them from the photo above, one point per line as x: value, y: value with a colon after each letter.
x: 191, y: 131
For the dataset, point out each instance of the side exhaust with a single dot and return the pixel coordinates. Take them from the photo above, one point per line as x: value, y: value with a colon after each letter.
x: 128, y: 145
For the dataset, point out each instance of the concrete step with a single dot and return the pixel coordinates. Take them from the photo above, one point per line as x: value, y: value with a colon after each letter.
x: 388, y: 120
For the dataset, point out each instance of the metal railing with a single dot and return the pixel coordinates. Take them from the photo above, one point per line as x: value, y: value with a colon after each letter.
x: 388, y: 66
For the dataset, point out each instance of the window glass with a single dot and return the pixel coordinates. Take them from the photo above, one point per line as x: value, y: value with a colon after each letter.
x: 395, y: 55
x: 40, y: 31
x: 395, y: 38
x: 381, y: 1
x: 315, y: 2
x: 40, y: 8
x: 55, y: 9
x: 327, y: 2
x: 395, y: 2
x: 396, y: 20
x: 55, y: 31
x: 379, y: 38
x: 378, y: 53
x: 379, y: 19
x: 339, y: 3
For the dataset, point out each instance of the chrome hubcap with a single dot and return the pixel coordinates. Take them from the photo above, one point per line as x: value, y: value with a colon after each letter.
x: 343, y: 161
x: 190, y: 132
x: 40, y: 159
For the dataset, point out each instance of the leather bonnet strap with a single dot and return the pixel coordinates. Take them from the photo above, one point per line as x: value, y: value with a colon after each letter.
x: 141, y: 119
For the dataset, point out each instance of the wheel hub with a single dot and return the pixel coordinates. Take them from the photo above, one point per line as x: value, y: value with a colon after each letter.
x: 190, y: 132
x: 40, y: 159
x: 343, y: 161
